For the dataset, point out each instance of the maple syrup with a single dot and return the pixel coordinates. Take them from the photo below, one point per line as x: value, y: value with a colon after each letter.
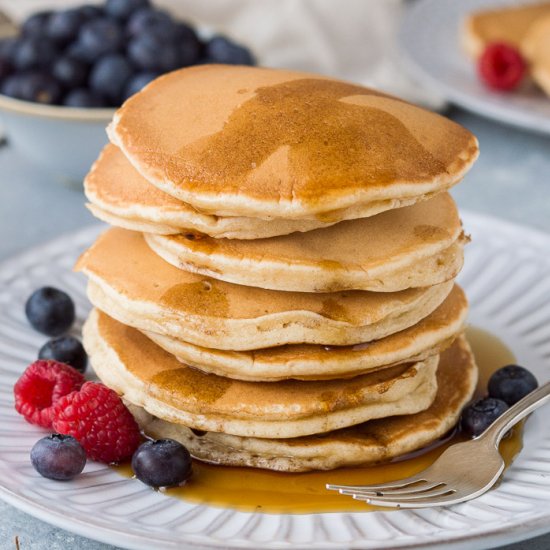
x: 314, y: 134
x: 250, y: 489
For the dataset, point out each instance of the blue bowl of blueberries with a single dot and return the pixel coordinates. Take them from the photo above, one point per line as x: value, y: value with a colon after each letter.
x: 62, y: 74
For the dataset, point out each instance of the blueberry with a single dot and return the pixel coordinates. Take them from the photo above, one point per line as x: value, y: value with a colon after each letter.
x: 123, y: 9
x: 65, y: 349
x: 222, y: 50
x: 59, y: 457
x: 70, y: 72
x: 478, y: 416
x: 150, y: 53
x: 189, y: 44
x: 91, y: 12
x: 50, y: 311
x: 11, y: 87
x: 511, y: 383
x: 84, y: 98
x: 36, y: 24
x: 34, y: 53
x: 162, y: 463
x: 63, y: 26
x: 8, y: 46
x: 146, y: 19
x: 100, y: 37
x: 110, y: 75
x: 40, y: 87
x: 137, y: 82
x: 157, y: 24
x: 6, y: 68
x: 77, y: 50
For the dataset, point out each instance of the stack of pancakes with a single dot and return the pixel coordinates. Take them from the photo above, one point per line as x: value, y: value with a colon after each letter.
x: 278, y: 291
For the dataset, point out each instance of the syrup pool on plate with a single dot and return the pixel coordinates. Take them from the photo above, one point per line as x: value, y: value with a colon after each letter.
x: 251, y: 489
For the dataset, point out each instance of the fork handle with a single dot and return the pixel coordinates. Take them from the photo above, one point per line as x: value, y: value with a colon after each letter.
x: 515, y: 413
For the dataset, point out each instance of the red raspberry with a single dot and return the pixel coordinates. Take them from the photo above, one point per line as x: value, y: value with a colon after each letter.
x: 501, y: 66
x: 40, y: 386
x: 99, y: 420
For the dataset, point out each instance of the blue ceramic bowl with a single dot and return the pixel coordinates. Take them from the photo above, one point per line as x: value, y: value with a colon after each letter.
x: 64, y: 141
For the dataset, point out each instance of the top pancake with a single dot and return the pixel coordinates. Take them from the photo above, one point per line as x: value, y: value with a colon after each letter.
x: 245, y: 141
x: 505, y: 24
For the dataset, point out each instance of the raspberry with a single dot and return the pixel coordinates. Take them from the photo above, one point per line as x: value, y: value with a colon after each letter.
x: 501, y: 66
x: 99, y: 420
x: 39, y: 388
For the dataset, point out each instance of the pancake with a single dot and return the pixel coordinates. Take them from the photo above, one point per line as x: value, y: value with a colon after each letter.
x: 503, y: 24
x: 121, y: 196
x: 371, y: 442
x: 256, y: 142
x: 536, y: 48
x: 420, y: 245
x: 135, y: 286
x: 428, y: 337
x: 147, y: 376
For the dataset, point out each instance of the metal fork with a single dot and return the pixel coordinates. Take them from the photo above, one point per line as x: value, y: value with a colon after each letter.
x: 464, y: 471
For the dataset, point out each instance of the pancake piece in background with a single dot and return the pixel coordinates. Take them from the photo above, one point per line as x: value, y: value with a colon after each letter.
x: 121, y: 196
x: 508, y: 24
x: 135, y: 286
x: 147, y: 376
x: 428, y: 337
x: 415, y: 246
x: 536, y: 48
x: 368, y: 443
x: 265, y: 143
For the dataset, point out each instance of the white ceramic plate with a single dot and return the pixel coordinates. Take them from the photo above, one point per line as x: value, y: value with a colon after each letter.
x: 429, y: 40
x: 507, y: 277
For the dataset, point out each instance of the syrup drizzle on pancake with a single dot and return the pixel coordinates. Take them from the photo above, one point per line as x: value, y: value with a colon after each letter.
x: 337, y: 144
x: 201, y: 297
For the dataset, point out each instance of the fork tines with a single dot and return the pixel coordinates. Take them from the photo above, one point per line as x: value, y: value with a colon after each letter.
x: 414, y: 491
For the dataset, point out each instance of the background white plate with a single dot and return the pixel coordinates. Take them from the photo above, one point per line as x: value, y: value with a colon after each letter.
x: 507, y: 277
x: 430, y: 42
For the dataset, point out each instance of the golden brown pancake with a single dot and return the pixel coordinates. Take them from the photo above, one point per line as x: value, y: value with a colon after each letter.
x: 536, y: 48
x: 147, y: 376
x: 501, y: 24
x: 132, y: 284
x: 429, y: 336
x: 256, y: 142
x: 121, y: 196
x: 419, y: 245
x: 374, y: 441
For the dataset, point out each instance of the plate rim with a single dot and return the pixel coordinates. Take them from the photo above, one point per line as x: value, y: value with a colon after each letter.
x: 101, y: 533
x: 527, y: 529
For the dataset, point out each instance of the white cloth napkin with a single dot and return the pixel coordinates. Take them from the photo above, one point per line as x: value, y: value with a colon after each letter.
x: 350, y: 39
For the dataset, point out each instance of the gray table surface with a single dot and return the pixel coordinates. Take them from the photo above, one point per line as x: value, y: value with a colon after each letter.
x: 511, y: 180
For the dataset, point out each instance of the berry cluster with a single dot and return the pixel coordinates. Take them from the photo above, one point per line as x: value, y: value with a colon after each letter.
x: 506, y: 387
x: 98, y: 56
x: 51, y: 311
x: 90, y: 420
x: 56, y: 396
